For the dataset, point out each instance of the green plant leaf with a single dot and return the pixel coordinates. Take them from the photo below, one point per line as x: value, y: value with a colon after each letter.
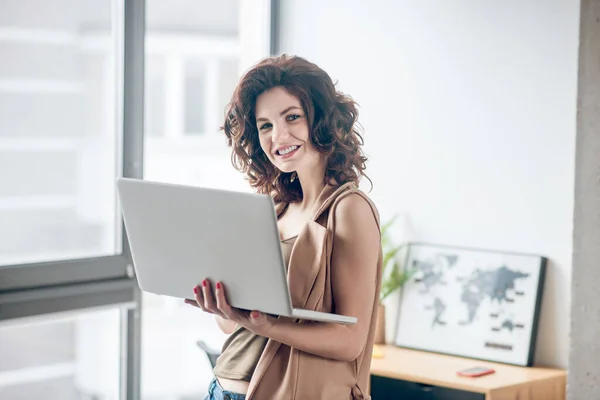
x: 394, y: 276
x: 388, y: 224
x: 397, y: 279
x: 390, y: 255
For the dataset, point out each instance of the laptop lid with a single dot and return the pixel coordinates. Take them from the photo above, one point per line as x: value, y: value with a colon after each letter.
x: 180, y: 234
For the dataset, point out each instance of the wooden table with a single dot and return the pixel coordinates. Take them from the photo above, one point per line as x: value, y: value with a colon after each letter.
x: 411, y: 374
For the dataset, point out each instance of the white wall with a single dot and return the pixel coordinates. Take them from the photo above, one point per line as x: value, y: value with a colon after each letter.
x: 469, y: 111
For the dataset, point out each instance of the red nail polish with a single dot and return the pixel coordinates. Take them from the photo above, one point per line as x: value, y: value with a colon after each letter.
x: 254, y: 314
x: 218, y: 285
x: 204, y: 283
x: 196, y: 289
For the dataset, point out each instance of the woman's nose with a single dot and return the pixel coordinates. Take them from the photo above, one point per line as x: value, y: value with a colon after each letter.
x: 280, y: 133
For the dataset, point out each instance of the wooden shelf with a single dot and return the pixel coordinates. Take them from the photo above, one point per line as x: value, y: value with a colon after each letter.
x: 508, y: 382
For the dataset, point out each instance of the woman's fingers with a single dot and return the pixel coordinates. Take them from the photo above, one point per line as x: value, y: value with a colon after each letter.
x: 214, y: 303
x: 191, y: 302
x: 209, y: 302
x: 254, y: 320
x: 258, y: 318
x: 222, y: 305
x: 199, y: 301
x: 199, y: 298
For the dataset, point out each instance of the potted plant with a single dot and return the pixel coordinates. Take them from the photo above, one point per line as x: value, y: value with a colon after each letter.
x: 394, y: 276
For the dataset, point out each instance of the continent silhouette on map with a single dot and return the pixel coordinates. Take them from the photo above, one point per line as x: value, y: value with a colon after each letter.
x: 432, y: 274
x: 509, y: 325
x: 450, y: 259
x: 438, y: 307
x: 491, y: 283
x: 432, y: 270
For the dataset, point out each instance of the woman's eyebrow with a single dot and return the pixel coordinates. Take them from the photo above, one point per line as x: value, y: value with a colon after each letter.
x: 281, y: 113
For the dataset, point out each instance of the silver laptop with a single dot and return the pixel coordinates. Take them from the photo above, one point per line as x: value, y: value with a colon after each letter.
x: 180, y: 234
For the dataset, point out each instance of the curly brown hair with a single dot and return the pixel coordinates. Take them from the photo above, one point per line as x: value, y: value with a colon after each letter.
x: 332, y: 120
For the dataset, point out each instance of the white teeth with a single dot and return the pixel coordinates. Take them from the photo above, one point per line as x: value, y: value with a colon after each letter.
x: 287, y: 150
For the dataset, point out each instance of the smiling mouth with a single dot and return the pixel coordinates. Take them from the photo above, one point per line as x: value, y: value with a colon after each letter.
x: 287, y: 151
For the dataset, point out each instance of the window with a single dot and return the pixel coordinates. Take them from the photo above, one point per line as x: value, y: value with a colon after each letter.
x: 61, y: 357
x: 155, y: 97
x: 58, y: 136
x: 91, y: 90
x: 68, y: 92
x: 197, y: 96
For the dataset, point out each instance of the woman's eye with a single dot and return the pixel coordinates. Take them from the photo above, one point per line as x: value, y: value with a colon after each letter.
x: 265, y: 126
x: 293, y: 117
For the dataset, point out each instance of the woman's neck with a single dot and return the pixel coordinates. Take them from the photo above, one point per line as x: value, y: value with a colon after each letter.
x: 312, y: 184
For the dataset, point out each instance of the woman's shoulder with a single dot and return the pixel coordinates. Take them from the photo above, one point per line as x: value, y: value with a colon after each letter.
x: 355, y: 209
x: 356, y: 224
x: 355, y: 201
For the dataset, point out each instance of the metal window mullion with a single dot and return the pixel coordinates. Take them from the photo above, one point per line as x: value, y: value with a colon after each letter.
x: 41, y: 275
x: 133, y: 136
x: 274, y: 28
x: 19, y: 304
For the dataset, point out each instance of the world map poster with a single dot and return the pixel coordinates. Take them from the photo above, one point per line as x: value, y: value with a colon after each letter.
x: 471, y: 303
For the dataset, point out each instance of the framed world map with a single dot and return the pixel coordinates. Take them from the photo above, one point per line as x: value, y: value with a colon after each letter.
x: 473, y: 303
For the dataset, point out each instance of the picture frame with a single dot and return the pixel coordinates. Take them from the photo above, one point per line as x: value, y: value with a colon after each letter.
x: 474, y: 303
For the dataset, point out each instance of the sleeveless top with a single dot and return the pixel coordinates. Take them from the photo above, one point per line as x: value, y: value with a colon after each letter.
x: 284, y: 372
x: 243, y: 348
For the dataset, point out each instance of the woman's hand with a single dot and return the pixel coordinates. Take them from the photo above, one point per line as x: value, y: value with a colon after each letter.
x: 216, y: 304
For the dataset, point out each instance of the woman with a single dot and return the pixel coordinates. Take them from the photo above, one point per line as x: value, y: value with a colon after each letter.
x: 295, y: 137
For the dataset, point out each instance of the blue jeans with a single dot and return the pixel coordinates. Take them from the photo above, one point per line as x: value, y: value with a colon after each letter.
x: 216, y: 392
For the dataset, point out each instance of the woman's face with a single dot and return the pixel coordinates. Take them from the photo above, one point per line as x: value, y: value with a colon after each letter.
x: 283, y: 131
